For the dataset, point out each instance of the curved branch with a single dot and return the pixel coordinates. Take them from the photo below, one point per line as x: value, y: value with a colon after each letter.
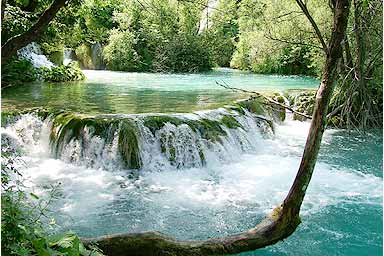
x: 272, y: 229
x: 19, y: 41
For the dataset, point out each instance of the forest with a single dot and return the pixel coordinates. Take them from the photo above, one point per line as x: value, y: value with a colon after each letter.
x: 97, y: 102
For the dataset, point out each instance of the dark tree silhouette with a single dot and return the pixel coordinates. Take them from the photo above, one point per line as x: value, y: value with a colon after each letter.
x: 17, y: 42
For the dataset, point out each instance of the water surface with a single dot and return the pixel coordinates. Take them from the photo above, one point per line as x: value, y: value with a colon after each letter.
x: 121, y: 92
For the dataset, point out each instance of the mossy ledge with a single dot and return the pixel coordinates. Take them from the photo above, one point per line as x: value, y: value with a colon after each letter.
x: 128, y: 145
x: 211, y: 127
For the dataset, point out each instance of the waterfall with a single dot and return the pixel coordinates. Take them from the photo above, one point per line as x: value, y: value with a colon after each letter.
x: 149, y: 142
x: 33, y: 53
x: 97, y: 56
x: 193, y: 176
x: 69, y: 55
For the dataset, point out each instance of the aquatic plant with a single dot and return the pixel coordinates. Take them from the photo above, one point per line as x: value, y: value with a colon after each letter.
x: 128, y: 145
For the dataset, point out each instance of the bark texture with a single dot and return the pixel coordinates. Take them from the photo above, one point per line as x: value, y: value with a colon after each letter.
x: 284, y: 219
x: 15, y: 43
x: 323, y: 96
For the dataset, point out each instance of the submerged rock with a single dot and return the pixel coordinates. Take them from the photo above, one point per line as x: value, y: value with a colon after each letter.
x: 302, y: 101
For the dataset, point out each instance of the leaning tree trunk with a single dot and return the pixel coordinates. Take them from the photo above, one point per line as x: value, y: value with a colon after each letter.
x: 15, y: 43
x: 284, y: 219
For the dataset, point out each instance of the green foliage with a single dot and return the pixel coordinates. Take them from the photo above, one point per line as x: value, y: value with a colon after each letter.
x: 292, y: 60
x: 182, y: 54
x: 222, y: 35
x: 62, y: 73
x: 275, y: 39
x: 15, y: 21
x: 120, y: 53
x: 161, y: 37
x: 18, y: 71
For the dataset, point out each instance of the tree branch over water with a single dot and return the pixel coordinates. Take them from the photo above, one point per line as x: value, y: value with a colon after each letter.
x: 226, y: 86
x: 304, y: 8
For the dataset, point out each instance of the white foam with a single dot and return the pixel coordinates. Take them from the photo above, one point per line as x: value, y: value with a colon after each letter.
x: 253, y: 176
x: 33, y: 53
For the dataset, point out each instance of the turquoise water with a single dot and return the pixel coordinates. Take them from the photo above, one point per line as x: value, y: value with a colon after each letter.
x: 118, y: 92
x: 341, y: 215
x: 354, y: 225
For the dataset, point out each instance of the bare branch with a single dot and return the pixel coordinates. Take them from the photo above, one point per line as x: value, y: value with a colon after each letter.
x: 291, y: 42
x: 226, y: 86
x: 313, y: 23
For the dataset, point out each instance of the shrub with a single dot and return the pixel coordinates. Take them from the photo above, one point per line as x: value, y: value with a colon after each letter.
x: 18, y: 71
x: 120, y: 54
x: 182, y: 54
x: 62, y: 73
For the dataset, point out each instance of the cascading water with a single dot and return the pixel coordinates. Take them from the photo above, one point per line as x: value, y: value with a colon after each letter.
x: 33, y: 53
x: 68, y: 56
x: 194, y: 176
x: 97, y: 56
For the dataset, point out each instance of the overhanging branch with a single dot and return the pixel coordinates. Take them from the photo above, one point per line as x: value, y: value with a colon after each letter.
x: 226, y: 86
x: 17, y: 42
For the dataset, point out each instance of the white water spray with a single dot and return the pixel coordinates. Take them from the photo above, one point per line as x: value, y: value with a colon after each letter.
x: 33, y: 53
x: 244, y: 177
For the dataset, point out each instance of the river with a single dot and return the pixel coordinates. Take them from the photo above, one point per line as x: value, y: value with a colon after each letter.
x: 244, y: 175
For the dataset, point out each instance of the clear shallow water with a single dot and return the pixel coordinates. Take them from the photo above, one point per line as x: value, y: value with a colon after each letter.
x: 342, y: 212
x: 118, y: 92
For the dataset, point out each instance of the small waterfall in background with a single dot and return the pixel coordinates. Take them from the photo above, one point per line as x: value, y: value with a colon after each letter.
x: 97, y: 56
x: 69, y: 55
x: 34, y: 54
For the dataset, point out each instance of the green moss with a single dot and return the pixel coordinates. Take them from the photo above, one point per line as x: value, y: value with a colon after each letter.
x: 155, y: 123
x: 202, y: 156
x: 172, y: 154
x: 208, y: 129
x: 254, y: 105
x: 211, y: 130
x: 230, y: 122
x: 280, y: 99
x: 128, y: 145
x: 239, y: 109
x: 8, y: 117
x: 83, y: 54
x: 57, y: 57
x: 67, y: 126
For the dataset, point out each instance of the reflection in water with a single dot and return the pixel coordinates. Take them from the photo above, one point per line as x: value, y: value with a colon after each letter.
x: 119, y: 92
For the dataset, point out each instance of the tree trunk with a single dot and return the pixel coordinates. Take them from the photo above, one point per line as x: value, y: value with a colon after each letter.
x: 3, y: 5
x: 17, y: 42
x: 284, y: 219
x: 323, y: 96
